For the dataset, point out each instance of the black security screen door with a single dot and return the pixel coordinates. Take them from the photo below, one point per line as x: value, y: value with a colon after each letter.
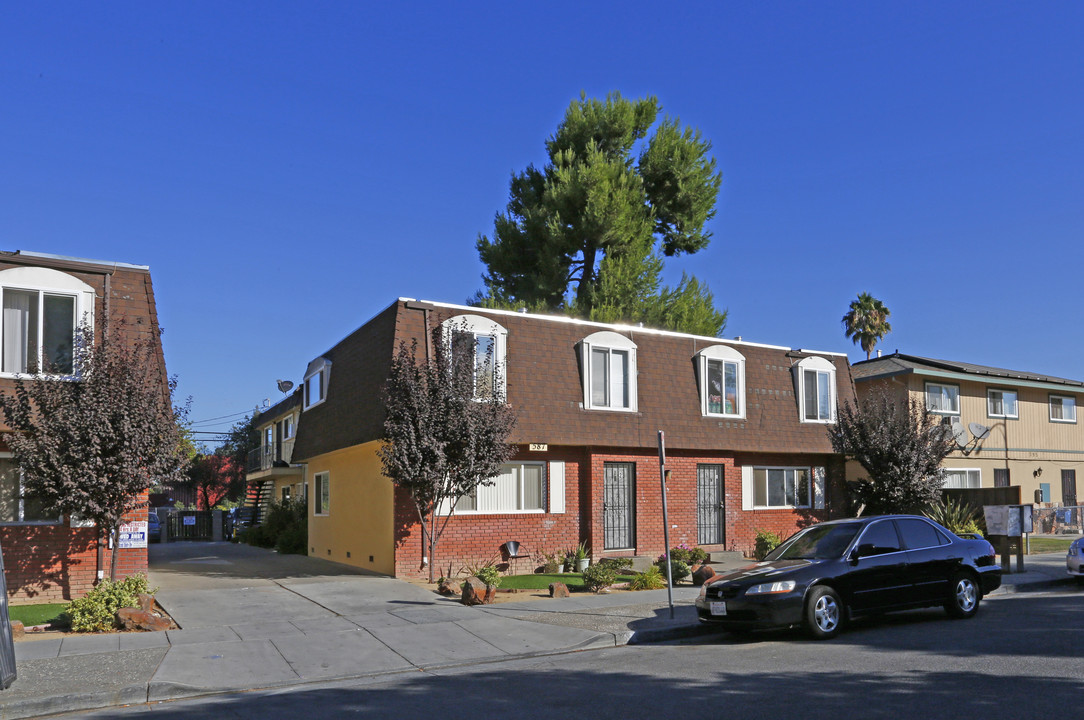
x: 1068, y: 488
x: 709, y: 505
x: 617, y: 506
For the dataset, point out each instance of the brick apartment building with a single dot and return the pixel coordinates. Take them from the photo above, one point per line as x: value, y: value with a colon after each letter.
x: 745, y: 427
x: 45, y: 299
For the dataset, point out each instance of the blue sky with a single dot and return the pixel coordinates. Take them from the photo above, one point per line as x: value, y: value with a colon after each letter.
x: 289, y: 169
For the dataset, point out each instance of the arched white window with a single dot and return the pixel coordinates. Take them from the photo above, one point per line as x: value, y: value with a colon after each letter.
x: 490, y: 350
x: 42, y: 310
x: 721, y: 370
x: 816, y: 390
x: 609, y: 372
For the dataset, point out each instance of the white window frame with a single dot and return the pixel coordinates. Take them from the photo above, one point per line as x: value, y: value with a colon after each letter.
x: 811, y: 492
x: 822, y: 367
x: 725, y: 355
x: 941, y: 394
x: 321, y: 505
x: 485, y: 496
x: 480, y: 326
x: 1071, y: 399
x: 59, y: 519
x: 46, y: 281
x: 319, y: 368
x: 1004, y: 407
x: 610, y: 342
x: 967, y: 476
x: 288, y: 427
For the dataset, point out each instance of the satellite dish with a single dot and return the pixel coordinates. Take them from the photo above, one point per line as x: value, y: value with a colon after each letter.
x: 979, y: 430
x: 285, y: 386
x: 958, y: 433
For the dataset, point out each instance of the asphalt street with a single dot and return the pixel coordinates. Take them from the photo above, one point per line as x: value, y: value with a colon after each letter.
x: 1021, y: 657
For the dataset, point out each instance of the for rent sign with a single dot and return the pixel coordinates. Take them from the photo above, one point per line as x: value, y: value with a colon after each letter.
x: 133, y: 535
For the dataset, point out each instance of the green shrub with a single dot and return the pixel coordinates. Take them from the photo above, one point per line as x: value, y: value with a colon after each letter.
x: 285, y: 528
x: 698, y: 556
x: 650, y: 579
x: 956, y: 516
x: 766, y: 542
x: 679, y: 569
x: 488, y: 573
x: 598, y: 577
x: 97, y: 610
x: 616, y: 564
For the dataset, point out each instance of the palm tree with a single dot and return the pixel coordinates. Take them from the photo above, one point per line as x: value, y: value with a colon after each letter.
x: 867, y: 322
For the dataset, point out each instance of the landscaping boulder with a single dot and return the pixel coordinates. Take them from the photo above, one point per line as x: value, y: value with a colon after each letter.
x: 136, y: 619
x: 146, y: 602
x: 476, y: 592
x: 558, y: 590
x: 449, y: 587
x: 702, y: 575
x: 17, y: 630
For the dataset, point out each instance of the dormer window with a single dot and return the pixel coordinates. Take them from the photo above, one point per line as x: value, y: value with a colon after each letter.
x: 487, y: 341
x: 721, y: 371
x: 42, y: 309
x: 609, y: 372
x: 816, y: 390
x: 316, y: 381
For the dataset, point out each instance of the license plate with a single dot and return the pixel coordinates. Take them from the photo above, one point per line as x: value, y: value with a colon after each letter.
x: 718, y: 608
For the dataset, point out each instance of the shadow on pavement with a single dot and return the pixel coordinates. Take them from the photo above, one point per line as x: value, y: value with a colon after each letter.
x: 237, y: 561
x: 550, y: 692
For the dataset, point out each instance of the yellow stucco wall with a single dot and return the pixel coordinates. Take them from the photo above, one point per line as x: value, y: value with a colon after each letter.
x: 358, y: 528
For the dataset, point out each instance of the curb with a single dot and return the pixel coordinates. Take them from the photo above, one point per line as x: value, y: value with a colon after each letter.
x: 55, y: 704
x: 1037, y: 586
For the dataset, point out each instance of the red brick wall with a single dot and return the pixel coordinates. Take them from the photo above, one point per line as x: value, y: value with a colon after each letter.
x: 476, y: 539
x: 58, y: 563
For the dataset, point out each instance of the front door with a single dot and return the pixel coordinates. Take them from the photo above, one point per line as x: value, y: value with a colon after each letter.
x: 1068, y: 488
x: 617, y: 506
x: 710, y: 505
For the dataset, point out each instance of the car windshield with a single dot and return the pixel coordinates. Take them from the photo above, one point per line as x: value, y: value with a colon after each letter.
x: 820, y: 542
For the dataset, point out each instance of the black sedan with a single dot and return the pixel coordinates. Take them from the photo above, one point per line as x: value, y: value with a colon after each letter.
x: 830, y: 572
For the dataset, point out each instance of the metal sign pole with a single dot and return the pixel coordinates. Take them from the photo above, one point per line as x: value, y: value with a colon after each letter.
x: 666, y: 522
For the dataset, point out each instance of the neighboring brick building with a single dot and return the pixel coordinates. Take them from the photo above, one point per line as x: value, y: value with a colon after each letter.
x: 746, y: 440
x: 44, y: 299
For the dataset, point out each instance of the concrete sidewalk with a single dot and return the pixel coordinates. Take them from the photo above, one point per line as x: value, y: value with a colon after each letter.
x: 252, y: 619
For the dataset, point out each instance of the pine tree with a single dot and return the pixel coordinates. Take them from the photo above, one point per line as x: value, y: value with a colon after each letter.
x: 587, y: 233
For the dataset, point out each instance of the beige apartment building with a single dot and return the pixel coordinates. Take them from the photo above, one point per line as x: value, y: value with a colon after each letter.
x: 1011, y: 427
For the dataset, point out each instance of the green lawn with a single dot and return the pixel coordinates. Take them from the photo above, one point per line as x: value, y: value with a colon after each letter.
x: 36, y: 614
x: 541, y: 581
x: 1049, y: 544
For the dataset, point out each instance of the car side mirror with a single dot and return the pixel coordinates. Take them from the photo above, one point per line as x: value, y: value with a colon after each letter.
x: 863, y: 550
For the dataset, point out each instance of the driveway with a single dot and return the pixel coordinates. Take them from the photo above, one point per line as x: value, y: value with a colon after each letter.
x: 206, y: 585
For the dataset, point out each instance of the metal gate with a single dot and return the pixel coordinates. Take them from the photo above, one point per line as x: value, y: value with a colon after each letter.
x: 617, y: 506
x: 1068, y: 488
x: 190, y: 525
x: 710, y: 504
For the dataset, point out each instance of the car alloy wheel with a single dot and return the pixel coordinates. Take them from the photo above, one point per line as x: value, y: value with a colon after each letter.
x: 824, y: 613
x: 965, y: 597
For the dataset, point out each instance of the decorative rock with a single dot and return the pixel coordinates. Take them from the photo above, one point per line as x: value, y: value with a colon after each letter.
x: 136, y: 619
x: 448, y: 587
x: 558, y: 590
x: 702, y: 575
x: 17, y: 630
x: 476, y: 592
x: 146, y: 602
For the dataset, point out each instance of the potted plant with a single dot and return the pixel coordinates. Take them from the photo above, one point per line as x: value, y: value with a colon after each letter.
x: 581, y: 553
x: 570, y: 561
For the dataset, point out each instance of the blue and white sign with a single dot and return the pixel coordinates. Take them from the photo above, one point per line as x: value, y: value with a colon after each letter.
x: 133, y: 535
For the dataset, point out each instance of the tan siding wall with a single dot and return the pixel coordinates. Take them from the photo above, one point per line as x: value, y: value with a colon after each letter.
x: 1033, y: 449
